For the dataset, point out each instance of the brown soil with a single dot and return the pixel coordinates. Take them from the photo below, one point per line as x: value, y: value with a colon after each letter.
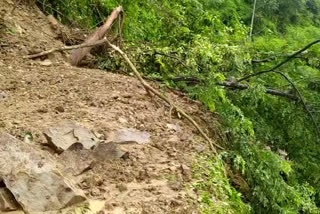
x: 35, y: 95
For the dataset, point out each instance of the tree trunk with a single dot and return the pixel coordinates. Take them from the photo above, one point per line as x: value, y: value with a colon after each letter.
x: 79, y: 54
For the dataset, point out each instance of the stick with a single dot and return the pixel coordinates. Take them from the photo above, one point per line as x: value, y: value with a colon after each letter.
x: 66, y: 48
x: 166, y: 99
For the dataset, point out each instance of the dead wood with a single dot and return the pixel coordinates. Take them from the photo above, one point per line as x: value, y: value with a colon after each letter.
x: 78, y: 54
x: 66, y: 48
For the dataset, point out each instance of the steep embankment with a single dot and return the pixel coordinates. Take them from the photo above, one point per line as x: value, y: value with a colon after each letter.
x: 37, y: 94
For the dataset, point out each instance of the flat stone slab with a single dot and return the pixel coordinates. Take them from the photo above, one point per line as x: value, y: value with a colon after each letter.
x: 65, y: 134
x: 130, y: 135
x: 33, y: 177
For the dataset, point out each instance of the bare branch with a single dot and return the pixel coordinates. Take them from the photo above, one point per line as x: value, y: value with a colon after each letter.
x: 281, y: 63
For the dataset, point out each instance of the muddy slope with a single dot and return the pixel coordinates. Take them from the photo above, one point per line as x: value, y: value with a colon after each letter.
x: 36, y: 94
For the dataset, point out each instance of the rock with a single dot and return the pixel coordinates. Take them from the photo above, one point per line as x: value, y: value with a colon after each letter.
x: 95, y: 192
x: 65, y: 134
x: 76, y: 159
x: 59, y: 109
x: 174, y: 139
x: 122, y: 187
x: 46, y: 62
x: 176, y: 203
x: 34, y: 178
x: 176, y: 128
x: 7, y: 201
x: 175, y: 185
x: 53, y: 22
x: 3, y: 95
x: 122, y: 120
x: 130, y: 136
x: 200, y: 148
x: 108, y: 151
x: 186, y: 171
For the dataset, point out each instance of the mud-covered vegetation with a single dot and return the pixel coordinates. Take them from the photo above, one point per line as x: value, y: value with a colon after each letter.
x: 271, y: 164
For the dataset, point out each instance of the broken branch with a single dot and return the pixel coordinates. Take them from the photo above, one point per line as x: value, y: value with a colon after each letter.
x: 66, y: 48
x: 78, y: 55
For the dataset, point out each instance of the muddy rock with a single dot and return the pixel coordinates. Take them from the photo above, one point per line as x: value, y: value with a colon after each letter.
x: 46, y: 62
x: 33, y: 177
x: 76, y: 159
x: 186, y: 171
x: 108, y: 151
x: 130, y: 136
x: 65, y: 134
x: 122, y: 187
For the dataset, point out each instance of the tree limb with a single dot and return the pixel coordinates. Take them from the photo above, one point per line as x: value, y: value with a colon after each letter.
x: 231, y: 85
x: 292, y: 56
x: 66, y: 48
x: 78, y: 54
x: 235, y: 85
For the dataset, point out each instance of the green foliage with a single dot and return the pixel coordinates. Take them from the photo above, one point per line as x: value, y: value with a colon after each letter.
x: 217, y: 194
x: 207, y: 39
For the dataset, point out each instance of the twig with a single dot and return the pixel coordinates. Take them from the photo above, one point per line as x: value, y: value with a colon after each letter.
x: 166, y: 99
x: 170, y: 56
x: 281, y: 63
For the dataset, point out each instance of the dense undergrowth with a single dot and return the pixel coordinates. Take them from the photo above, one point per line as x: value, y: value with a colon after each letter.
x: 208, y: 40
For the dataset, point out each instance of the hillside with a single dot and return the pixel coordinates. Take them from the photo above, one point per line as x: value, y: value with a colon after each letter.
x: 246, y: 70
x: 38, y: 94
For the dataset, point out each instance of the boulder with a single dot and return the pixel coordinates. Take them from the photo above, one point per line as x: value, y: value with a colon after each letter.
x: 65, y: 134
x: 33, y: 177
